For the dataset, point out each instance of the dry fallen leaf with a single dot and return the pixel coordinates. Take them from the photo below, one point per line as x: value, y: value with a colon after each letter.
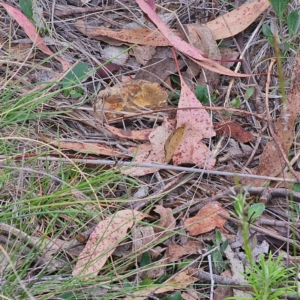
x: 166, y: 222
x: 92, y: 148
x: 159, y: 67
x: 133, y: 96
x: 234, y: 130
x: 30, y: 30
x: 137, y: 135
x: 141, y: 36
x: 201, y: 37
x: 195, y: 54
x: 154, y: 152
x: 238, y: 19
x: 228, y: 57
x: 173, y: 141
x: 103, y: 241
x: 198, y: 125
x: 180, y: 281
x: 175, y: 251
x: 207, y: 219
x: 143, y: 53
x: 222, y: 27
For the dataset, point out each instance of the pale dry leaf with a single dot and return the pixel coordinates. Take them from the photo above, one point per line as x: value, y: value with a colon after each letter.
x: 143, y: 53
x: 228, y: 54
x: 202, y: 38
x: 133, y: 96
x: 180, y: 281
x: 160, y: 67
x: 137, y: 135
x: 154, y: 152
x: 222, y: 292
x: 141, y: 36
x: 142, y: 237
x: 174, y: 252
x: 103, y: 241
x: 238, y: 19
x: 30, y: 30
x: 91, y: 148
x: 198, y: 125
x: 117, y: 54
x: 190, y: 295
x: 195, y: 54
x: 234, y: 130
x: 207, y: 219
x: 166, y: 223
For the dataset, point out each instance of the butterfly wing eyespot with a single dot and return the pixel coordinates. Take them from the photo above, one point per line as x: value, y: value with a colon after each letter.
x: 173, y: 141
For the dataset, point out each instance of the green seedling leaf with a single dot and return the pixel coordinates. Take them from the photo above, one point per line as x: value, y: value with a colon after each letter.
x: 26, y: 8
x: 175, y: 79
x: 279, y: 7
x: 236, y: 102
x: 256, y: 211
x: 293, y: 22
x: 145, y: 259
x: 67, y: 296
x: 176, y: 296
x: 266, y: 29
x: 127, y: 284
x: 218, y: 238
x: 297, y: 187
x: 75, y: 76
x: 147, y: 281
x: 249, y: 92
x: 224, y: 246
x: 202, y: 94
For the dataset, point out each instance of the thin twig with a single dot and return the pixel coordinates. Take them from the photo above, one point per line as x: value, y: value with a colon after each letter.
x: 158, y: 166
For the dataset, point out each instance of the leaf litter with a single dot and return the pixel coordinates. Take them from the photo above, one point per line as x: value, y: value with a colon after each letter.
x: 181, y: 210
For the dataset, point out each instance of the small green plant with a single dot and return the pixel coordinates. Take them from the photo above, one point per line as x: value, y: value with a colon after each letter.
x: 202, y: 94
x: 292, y: 20
x: 270, y: 279
x: 218, y: 264
x: 71, y: 81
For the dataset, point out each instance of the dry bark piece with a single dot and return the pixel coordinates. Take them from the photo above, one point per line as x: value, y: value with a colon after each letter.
x: 234, y: 130
x: 103, y: 241
x: 133, y: 96
x: 207, y: 219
